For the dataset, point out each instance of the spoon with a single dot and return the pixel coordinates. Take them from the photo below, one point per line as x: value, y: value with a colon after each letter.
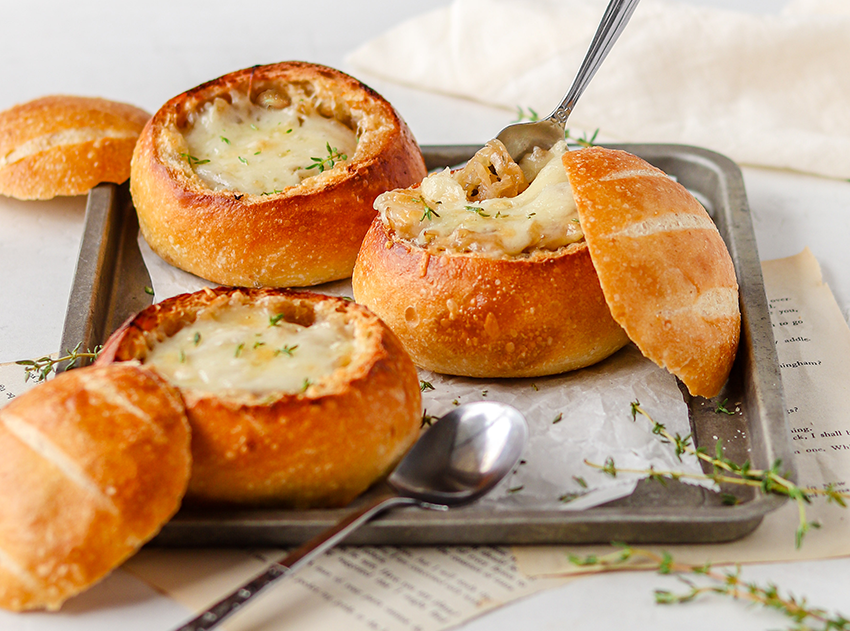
x: 521, y: 138
x: 463, y: 456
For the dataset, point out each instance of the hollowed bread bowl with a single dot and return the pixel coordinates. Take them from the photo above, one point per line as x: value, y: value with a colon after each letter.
x: 295, y: 399
x: 266, y: 176
x: 641, y: 261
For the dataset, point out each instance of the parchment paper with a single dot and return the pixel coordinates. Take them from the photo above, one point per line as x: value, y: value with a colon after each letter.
x: 578, y: 416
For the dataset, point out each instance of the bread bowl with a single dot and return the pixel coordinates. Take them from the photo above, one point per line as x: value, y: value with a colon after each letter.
x: 66, y: 145
x: 266, y: 176
x: 94, y: 462
x: 506, y: 270
x: 295, y: 399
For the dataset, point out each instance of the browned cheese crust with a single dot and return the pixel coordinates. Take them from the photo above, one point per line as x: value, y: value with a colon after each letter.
x: 94, y: 463
x: 470, y: 315
x: 663, y: 266
x: 318, y: 448
x: 304, y: 235
x: 65, y: 145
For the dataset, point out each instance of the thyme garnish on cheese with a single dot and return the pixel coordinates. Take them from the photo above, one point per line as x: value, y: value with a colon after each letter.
x: 329, y: 161
x: 193, y: 160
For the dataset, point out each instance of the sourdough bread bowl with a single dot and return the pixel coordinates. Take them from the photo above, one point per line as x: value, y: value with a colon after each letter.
x: 295, y: 399
x: 506, y: 270
x: 65, y: 145
x: 266, y: 176
x: 94, y: 462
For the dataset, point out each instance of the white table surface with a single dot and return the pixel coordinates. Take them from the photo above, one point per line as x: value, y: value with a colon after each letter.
x: 146, y: 52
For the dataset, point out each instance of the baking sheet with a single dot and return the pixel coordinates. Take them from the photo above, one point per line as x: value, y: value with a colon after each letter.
x: 110, y: 285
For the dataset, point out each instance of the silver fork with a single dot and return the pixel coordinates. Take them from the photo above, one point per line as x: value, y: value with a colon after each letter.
x: 521, y: 138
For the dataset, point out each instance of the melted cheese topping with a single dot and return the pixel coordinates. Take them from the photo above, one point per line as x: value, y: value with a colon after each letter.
x: 250, y: 148
x: 249, y: 348
x: 439, y: 215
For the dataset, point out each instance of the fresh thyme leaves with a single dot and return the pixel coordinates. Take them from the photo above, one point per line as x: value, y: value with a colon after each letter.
x: 580, y: 481
x: 307, y: 383
x: 429, y: 213
x: 239, y: 348
x: 273, y: 320
x: 583, y: 141
x: 149, y: 290
x: 286, y: 350
x: 39, y: 369
x: 196, y: 339
x: 721, y: 408
x: 224, y: 140
x: 193, y: 161
x: 535, y: 387
x: 329, y: 161
x: 530, y: 116
x: 705, y: 579
x: 274, y: 192
x: 181, y: 356
x: 425, y: 385
x: 771, y: 481
x: 254, y: 127
x: 516, y: 489
x: 478, y: 211
x: 558, y: 418
x: 427, y: 419
x: 242, y: 160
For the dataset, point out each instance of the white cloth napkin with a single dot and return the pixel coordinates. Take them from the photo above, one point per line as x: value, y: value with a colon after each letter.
x: 768, y: 90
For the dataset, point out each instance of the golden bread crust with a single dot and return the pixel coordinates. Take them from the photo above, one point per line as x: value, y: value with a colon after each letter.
x: 94, y: 462
x: 484, y: 317
x: 320, y: 447
x: 66, y: 145
x: 663, y: 266
x: 304, y: 235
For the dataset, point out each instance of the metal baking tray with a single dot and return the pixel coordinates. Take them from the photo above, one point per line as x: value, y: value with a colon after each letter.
x: 110, y: 285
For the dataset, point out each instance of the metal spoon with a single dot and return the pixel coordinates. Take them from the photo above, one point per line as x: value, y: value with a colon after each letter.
x: 521, y: 138
x: 463, y: 456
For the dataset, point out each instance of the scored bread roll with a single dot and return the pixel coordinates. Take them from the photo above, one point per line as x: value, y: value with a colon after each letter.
x: 295, y: 399
x: 663, y: 266
x: 266, y: 176
x: 94, y: 462
x: 506, y: 270
x: 65, y: 145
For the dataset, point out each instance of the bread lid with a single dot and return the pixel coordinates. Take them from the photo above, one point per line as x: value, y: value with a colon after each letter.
x: 66, y: 145
x: 664, y: 269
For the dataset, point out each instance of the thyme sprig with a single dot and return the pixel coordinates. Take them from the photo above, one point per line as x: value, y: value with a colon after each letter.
x: 328, y: 161
x: 39, y: 369
x: 772, y: 481
x: 705, y: 579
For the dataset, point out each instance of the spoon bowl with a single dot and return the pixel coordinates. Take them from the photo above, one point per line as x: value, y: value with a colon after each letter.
x: 522, y: 138
x: 461, y: 457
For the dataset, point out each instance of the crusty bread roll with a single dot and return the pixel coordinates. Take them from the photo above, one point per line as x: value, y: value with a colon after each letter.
x: 663, y: 266
x: 499, y: 292
x: 494, y: 270
x: 295, y: 399
x: 94, y: 462
x: 481, y: 317
x: 266, y: 176
x: 65, y: 145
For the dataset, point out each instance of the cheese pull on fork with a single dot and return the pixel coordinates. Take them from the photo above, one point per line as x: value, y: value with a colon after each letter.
x: 522, y: 138
x: 459, y: 459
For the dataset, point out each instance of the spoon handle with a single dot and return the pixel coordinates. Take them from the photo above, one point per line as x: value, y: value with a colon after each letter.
x: 614, y: 20
x: 294, y: 560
